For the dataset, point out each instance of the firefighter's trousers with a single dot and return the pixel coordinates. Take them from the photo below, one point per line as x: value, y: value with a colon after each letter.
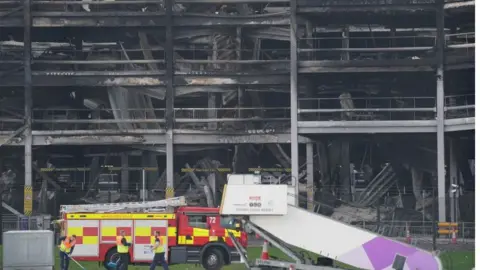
x: 64, y: 260
x: 159, y: 259
x: 123, y: 263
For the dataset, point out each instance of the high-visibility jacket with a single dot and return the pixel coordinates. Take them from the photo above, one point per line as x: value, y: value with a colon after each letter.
x: 66, y: 245
x: 120, y: 247
x: 160, y: 247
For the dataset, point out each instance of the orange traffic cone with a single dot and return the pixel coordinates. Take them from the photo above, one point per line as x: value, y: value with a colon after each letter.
x: 454, y: 236
x: 265, y: 255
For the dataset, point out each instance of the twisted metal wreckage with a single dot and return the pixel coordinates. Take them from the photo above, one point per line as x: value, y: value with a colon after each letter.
x: 131, y: 64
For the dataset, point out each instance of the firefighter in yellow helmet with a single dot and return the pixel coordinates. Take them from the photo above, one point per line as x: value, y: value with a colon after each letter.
x: 158, y: 248
x: 67, y: 244
x: 122, y: 249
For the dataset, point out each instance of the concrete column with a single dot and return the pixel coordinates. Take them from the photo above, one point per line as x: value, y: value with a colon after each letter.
x: 453, y: 174
x: 27, y: 69
x: 124, y: 176
x: 440, y: 111
x: 294, y: 97
x: 310, y: 177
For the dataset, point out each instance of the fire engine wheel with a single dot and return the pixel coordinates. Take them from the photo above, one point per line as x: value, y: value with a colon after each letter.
x: 213, y: 259
x: 111, y: 257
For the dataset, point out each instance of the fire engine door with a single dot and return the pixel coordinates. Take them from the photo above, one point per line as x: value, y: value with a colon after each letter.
x: 144, y: 236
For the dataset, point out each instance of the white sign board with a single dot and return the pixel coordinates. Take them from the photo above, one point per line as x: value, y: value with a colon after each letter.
x: 254, y: 200
x: 244, y: 179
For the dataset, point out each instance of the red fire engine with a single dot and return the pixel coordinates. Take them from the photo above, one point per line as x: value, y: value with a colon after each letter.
x: 193, y: 235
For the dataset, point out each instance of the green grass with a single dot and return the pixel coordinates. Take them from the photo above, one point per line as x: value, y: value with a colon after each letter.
x: 461, y: 260
x: 456, y: 260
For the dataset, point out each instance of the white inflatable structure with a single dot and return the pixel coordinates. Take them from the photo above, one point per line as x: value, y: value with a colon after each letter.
x: 271, y: 208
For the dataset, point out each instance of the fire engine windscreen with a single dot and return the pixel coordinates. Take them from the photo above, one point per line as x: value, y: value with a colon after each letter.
x: 270, y: 200
x: 230, y: 223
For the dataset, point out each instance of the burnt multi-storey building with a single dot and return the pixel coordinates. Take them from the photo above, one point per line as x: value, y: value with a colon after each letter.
x: 358, y: 98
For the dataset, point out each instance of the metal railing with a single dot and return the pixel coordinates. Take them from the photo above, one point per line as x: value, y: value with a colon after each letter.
x: 369, y: 3
x: 343, y: 108
x: 85, y: 119
x: 366, y: 48
x: 12, y: 222
x: 367, y: 109
x: 110, y: 56
x: 383, y: 47
x: 233, y: 119
x: 459, y: 106
x: 383, y: 108
x: 460, y: 44
x: 105, y: 57
x: 114, y: 57
x: 200, y: 54
x: 227, y: 119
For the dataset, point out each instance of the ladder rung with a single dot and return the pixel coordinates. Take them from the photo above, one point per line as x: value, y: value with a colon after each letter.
x: 172, y: 202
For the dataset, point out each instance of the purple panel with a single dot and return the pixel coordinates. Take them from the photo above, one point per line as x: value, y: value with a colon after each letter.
x: 422, y: 260
x: 382, y: 252
x: 356, y: 257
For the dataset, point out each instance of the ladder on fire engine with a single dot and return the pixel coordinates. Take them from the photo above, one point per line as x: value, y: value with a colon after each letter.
x: 124, y: 206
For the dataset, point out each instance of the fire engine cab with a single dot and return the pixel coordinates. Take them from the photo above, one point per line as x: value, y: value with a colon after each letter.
x: 192, y: 235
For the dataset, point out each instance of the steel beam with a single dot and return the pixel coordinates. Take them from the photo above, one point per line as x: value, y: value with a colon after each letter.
x: 169, y: 100
x: 402, y: 65
x: 146, y: 137
x: 68, y: 78
x: 356, y: 9
x: 139, y: 19
x: 27, y: 69
x: 152, y: 138
x: 294, y: 98
x: 367, y: 127
x: 229, y: 1
x: 440, y: 123
x: 460, y: 124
